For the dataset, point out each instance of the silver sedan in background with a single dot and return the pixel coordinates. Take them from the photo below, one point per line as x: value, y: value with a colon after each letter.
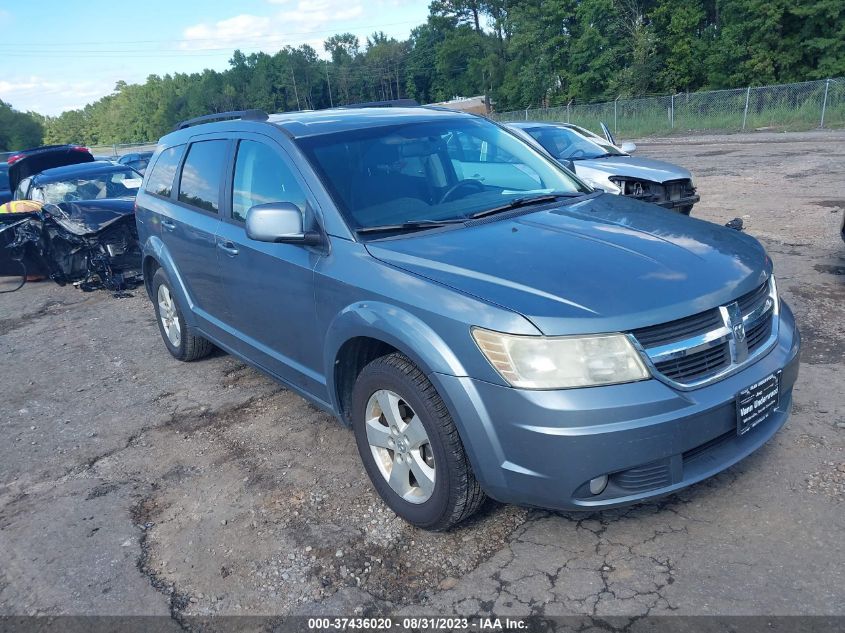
x: 603, y: 165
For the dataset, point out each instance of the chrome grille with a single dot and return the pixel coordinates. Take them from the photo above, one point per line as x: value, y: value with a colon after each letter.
x: 680, y: 329
x: 751, y: 300
x: 707, y: 346
x: 697, y: 364
x: 759, y: 333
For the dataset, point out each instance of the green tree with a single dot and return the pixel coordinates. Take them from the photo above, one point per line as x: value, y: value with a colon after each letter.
x: 680, y: 43
x: 597, y: 51
x: 19, y: 130
x: 522, y: 53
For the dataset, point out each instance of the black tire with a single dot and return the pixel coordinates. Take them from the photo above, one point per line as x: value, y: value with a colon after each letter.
x: 457, y: 494
x: 191, y: 347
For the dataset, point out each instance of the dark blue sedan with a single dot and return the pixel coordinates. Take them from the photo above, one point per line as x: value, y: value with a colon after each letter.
x: 98, y: 180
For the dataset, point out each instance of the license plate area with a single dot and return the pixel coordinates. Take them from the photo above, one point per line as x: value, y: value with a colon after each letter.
x: 756, y: 402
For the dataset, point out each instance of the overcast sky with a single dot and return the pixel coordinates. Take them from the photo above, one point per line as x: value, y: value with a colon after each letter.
x: 59, y: 55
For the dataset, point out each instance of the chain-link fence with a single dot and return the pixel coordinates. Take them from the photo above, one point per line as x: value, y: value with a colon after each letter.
x: 116, y: 150
x: 801, y: 106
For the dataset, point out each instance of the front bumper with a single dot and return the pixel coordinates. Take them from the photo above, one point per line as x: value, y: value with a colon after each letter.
x: 688, y: 201
x: 541, y: 448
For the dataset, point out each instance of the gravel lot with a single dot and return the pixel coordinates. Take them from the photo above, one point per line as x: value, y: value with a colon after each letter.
x: 133, y: 484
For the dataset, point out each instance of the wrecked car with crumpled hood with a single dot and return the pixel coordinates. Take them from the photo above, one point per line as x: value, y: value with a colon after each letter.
x: 91, y: 244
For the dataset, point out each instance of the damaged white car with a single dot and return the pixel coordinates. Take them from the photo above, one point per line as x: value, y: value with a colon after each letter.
x: 603, y: 165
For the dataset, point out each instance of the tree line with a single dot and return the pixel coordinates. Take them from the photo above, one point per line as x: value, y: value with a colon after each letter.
x: 522, y: 53
x: 19, y: 130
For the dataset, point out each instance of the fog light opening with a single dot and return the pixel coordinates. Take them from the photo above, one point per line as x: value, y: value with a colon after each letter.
x: 598, y: 484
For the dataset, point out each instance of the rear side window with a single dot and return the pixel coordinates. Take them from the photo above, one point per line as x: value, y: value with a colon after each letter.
x: 199, y: 185
x: 161, y: 178
x: 261, y: 176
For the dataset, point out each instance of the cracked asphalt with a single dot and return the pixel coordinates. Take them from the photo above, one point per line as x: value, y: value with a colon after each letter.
x: 134, y: 484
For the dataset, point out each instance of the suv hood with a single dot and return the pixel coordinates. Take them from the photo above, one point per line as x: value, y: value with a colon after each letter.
x: 635, y: 167
x: 600, y: 265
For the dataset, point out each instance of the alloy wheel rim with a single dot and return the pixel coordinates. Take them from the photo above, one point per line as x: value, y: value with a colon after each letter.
x: 168, y: 316
x: 400, y: 446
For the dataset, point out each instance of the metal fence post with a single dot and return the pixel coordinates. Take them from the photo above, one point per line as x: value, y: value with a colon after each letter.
x: 526, y: 114
x: 745, y: 114
x: 824, y: 103
x: 672, y: 112
x: 615, y: 126
x: 567, y: 110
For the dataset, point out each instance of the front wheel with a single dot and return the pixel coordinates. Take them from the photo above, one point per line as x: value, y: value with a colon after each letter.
x: 410, y: 446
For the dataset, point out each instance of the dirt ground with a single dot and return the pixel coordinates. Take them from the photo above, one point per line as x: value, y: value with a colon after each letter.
x: 133, y: 484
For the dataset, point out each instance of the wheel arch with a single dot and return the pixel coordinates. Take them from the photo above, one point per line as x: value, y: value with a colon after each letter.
x: 368, y: 330
x: 157, y: 256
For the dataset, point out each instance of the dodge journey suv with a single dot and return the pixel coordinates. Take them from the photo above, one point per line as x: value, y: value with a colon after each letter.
x: 486, y: 323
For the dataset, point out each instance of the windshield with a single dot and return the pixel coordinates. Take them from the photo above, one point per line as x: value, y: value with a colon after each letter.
x: 430, y: 171
x: 4, y: 177
x: 568, y: 144
x: 120, y: 183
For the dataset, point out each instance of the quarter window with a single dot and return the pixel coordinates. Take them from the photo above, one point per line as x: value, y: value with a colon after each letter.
x: 199, y: 185
x: 23, y: 187
x: 160, y: 181
x: 261, y: 176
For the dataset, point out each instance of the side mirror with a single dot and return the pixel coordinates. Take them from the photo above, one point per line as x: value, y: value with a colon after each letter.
x: 628, y: 147
x: 278, y: 222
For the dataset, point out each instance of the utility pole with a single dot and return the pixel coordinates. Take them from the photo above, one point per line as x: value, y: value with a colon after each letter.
x: 486, y: 93
x: 329, y: 82
x: 295, y: 92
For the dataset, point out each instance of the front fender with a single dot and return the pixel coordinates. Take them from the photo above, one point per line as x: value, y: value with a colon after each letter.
x: 394, y: 326
x: 412, y: 337
x: 156, y: 249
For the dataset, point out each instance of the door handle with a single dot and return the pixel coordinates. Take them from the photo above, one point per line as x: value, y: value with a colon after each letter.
x: 228, y: 248
x: 167, y: 225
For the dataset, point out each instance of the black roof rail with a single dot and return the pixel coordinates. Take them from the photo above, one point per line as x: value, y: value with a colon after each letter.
x: 392, y: 103
x: 244, y: 115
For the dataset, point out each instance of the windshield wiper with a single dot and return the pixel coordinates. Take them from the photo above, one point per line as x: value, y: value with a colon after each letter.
x: 412, y: 225
x: 526, y: 201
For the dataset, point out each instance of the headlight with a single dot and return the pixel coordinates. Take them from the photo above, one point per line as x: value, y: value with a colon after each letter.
x: 603, y: 185
x: 539, y: 362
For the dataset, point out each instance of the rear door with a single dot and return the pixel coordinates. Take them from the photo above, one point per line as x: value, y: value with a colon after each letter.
x: 190, y: 220
x: 270, y: 287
